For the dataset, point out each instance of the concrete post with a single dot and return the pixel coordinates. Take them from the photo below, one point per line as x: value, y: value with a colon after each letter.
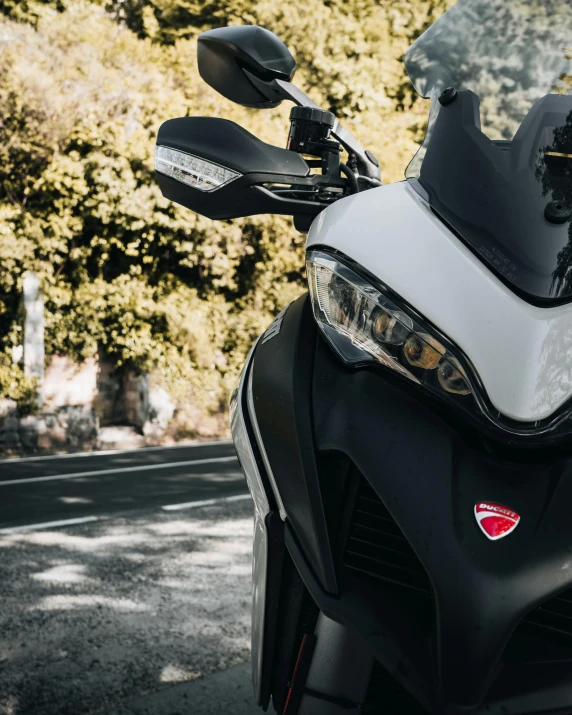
x: 34, y: 330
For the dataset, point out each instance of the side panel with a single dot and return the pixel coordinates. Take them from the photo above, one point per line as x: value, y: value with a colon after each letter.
x: 281, y: 390
x: 268, y: 541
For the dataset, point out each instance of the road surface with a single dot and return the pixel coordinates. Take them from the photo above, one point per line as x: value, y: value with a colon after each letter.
x: 125, y: 584
x: 97, y: 485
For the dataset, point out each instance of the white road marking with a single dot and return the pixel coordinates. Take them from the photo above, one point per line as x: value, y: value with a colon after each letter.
x: 88, y: 519
x: 106, y: 452
x: 49, y: 525
x: 119, y: 470
x: 204, y: 502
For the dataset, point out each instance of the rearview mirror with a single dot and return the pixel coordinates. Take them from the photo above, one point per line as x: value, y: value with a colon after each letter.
x: 241, y: 62
x: 220, y: 170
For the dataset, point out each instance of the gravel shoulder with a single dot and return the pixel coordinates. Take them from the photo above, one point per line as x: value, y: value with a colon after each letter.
x: 98, y: 614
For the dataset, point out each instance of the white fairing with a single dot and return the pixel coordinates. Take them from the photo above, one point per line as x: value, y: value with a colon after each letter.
x: 523, y: 353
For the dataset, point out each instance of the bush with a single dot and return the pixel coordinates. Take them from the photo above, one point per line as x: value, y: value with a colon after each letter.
x: 16, y: 386
x: 83, y: 89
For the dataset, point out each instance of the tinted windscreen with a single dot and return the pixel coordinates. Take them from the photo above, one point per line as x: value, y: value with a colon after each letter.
x: 497, y: 161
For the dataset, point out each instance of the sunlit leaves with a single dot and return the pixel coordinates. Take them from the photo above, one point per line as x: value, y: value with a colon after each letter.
x: 83, y: 89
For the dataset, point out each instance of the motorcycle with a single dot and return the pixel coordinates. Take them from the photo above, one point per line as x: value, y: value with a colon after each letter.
x: 405, y: 427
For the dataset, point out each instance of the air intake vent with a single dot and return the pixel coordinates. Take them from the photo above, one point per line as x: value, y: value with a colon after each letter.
x: 385, y: 696
x: 552, y: 621
x: 377, y: 547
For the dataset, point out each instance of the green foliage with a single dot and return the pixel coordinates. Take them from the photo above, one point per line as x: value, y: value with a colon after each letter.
x: 83, y: 89
x: 29, y: 10
x: 340, y: 45
x: 14, y: 385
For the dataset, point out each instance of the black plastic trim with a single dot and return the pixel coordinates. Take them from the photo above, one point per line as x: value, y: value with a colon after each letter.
x: 242, y: 197
x: 274, y: 567
x: 419, y: 189
x: 298, y: 615
x: 281, y: 387
x: 358, y: 609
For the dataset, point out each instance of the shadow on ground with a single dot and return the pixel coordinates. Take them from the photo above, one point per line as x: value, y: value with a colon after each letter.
x: 97, y: 614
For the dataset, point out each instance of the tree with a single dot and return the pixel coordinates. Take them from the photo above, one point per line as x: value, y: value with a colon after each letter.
x: 83, y: 89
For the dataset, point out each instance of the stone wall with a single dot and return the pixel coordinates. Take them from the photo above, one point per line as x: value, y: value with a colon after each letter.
x: 79, y: 406
x: 67, y: 383
x: 88, y: 406
x: 70, y: 427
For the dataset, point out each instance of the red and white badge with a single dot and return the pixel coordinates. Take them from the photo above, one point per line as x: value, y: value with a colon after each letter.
x: 495, y: 520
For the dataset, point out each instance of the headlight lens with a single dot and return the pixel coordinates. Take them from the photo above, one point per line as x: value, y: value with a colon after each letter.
x: 366, y: 326
x: 453, y: 379
x: 390, y: 329
x: 423, y: 351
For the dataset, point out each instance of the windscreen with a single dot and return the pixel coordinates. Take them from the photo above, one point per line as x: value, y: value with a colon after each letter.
x: 496, y: 163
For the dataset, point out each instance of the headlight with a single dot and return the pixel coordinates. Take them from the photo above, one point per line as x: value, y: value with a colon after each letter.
x: 364, y: 325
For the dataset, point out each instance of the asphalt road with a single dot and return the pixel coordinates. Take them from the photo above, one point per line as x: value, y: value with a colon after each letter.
x: 125, y: 582
x: 90, y: 486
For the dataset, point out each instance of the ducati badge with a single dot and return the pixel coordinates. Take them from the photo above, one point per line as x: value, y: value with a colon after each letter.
x: 496, y: 521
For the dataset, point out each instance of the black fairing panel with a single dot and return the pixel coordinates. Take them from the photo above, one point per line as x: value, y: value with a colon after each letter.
x: 281, y: 386
x: 429, y: 473
x: 430, y: 477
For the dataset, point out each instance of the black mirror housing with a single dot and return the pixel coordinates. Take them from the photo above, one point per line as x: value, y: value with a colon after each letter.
x: 252, y: 66
x: 239, y: 61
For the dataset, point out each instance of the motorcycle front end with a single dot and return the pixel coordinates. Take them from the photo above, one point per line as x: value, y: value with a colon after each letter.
x: 405, y: 425
x: 404, y: 556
